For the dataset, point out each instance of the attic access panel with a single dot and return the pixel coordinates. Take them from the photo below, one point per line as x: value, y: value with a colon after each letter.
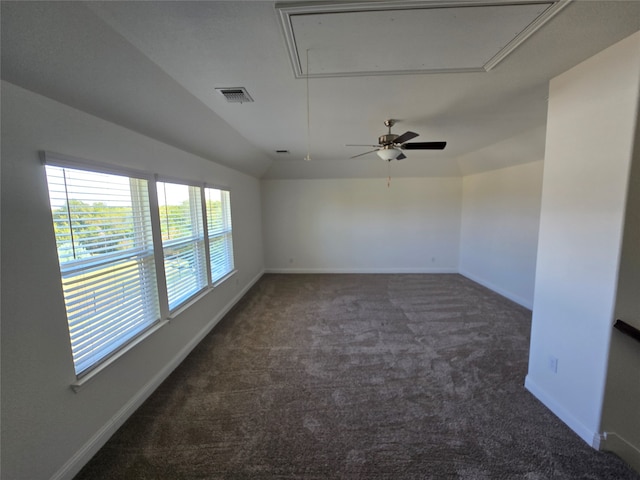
x: 382, y: 38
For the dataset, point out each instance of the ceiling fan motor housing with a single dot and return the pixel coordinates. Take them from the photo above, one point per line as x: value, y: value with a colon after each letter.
x: 387, y: 139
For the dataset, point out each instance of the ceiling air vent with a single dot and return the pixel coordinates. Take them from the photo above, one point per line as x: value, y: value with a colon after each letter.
x: 235, y: 95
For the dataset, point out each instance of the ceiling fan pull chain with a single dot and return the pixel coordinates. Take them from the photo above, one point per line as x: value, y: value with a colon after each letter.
x: 308, y: 157
x: 388, y: 173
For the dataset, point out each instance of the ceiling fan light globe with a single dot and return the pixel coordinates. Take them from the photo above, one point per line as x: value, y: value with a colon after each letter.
x: 388, y: 153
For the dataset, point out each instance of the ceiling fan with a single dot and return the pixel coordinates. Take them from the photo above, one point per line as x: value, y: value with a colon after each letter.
x: 390, y: 146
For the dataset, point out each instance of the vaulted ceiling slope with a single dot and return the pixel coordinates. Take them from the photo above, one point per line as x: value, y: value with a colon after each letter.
x: 154, y: 67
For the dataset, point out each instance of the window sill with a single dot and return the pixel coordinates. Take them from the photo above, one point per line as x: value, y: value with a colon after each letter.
x: 198, y: 296
x: 221, y: 280
x: 82, y: 381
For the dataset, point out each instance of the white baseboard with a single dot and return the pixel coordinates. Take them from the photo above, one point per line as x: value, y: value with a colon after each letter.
x: 612, y: 442
x: 505, y: 293
x: 589, y: 436
x: 500, y: 291
x: 89, y: 449
x: 362, y: 270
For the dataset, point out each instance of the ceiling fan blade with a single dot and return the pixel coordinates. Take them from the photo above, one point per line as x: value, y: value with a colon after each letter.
x: 365, y: 153
x: 402, y: 156
x: 353, y: 145
x: 424, y: 146
x: 405, y: 137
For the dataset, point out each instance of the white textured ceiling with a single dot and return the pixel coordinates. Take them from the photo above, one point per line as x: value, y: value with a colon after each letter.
x: 153, y: 67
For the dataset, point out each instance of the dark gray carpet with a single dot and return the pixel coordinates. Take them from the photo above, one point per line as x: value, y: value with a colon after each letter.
x: 355, y: 377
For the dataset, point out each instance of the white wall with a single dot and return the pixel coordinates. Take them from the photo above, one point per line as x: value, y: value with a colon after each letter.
x: 621, y: 411
x: 590, y: 134
x: 47, y: 429
x: 499, y: 233
x: 361, y: 225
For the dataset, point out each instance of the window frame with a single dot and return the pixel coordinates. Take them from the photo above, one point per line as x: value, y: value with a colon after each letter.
x: 158, y: 253
x: 186, y: 241
x: 77, y: 267
x: 227, y: 231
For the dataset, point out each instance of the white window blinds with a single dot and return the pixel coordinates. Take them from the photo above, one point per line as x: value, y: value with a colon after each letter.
x: 219, y: 232
x: 105, y: 248
x: 182, y: 226
x: 112, y: 235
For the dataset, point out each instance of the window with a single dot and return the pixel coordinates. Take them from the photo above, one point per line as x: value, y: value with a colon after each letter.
x: 183, y: 242
x: 219, y: 231
x: 131, y: 251
x: 103, y: 234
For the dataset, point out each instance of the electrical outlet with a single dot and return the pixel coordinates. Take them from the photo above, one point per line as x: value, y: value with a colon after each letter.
x: 553, y: 364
